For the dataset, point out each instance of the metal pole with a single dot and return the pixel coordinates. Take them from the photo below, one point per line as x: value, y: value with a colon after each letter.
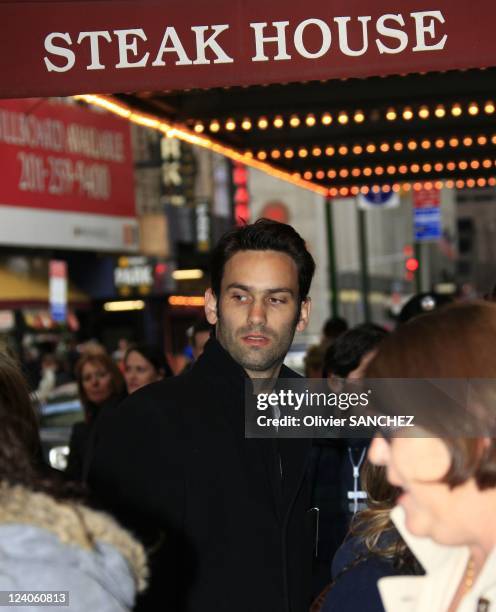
x: 418, y: 271
x: 364, y: 269
x: 331, y: 255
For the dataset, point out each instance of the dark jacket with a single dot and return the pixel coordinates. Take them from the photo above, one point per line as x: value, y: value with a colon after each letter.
x: 356, y: 571
x: 333, y: 479
x: 237, y: 536
x: 81, y: 442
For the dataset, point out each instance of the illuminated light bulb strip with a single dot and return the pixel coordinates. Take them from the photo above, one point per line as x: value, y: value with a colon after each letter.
x: 343, y: 117
x: 439, y: 111
x: 113, y: 107
x: 179, y: 131
x: 371, y: 148
x: 391, y: 170
x: 278, y: 121
x: 468, y: 183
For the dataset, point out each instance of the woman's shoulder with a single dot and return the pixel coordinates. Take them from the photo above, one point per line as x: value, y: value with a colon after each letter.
x: 351, y: 551
x: 355, y: 573
x: 354, y: 551
x: 39, y: 533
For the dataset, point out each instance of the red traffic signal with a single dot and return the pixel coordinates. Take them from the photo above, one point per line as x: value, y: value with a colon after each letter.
x: 412, y: 264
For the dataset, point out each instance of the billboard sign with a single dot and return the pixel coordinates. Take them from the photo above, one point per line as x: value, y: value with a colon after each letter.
x: 67, y: 174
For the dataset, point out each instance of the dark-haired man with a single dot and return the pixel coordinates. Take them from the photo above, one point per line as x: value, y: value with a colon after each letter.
x: 234, y: 511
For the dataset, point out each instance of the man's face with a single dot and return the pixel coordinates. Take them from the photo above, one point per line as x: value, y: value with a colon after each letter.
x: 256, y: 314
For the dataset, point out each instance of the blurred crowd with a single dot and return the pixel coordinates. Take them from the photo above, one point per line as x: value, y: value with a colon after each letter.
x: 59, y: 539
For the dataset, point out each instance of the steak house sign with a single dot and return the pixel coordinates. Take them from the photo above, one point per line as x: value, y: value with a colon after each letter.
x: 389, y: 30
x: 110, y: 46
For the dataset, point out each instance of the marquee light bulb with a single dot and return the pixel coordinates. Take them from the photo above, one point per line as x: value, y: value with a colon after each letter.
x: 489, y: 107
x: 456, y: 110
x: 391, y: 114
x: 473, y: 109
x: 359, y: 116
x: 424, y: 112
x: 440, y: 111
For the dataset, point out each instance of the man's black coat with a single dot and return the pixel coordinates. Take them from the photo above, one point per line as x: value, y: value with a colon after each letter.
x: 238, y: 537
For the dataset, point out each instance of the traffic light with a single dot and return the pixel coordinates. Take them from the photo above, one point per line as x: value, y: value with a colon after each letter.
x: 411, y: 262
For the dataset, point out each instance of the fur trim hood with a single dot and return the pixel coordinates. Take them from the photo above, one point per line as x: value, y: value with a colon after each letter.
x: 73, y: 524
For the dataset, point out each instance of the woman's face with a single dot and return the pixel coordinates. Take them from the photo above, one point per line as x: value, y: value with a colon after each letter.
x: 139, y: 372
x: 416, y: 465
x: 96, y: 382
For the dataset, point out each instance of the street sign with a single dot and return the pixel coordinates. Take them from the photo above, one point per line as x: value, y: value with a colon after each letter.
x: 427, y: 215
x: 427, y: 224
x: 58, y: 290
x: 380, y: 200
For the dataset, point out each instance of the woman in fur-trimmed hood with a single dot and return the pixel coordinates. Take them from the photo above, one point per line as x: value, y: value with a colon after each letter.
x: 47, y: 541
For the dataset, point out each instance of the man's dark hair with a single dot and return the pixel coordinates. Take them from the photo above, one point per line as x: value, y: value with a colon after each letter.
x: 345, y: 354
x: 263, y: 235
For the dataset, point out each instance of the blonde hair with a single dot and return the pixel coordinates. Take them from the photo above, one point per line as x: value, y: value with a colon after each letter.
x: 370, y: 524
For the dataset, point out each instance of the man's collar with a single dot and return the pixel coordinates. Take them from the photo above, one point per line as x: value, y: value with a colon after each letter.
x: 218, y: 362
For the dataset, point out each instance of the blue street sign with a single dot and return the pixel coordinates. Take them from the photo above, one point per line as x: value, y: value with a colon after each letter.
x: 427, y: 224
x: 58, y: 312
x: 391, y: 199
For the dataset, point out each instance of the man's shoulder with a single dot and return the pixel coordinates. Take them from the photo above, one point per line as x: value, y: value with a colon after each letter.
x: 168, y: 394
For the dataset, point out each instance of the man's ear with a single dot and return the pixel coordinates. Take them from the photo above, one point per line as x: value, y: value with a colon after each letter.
x: 306, y: 306
x: 211, y: 306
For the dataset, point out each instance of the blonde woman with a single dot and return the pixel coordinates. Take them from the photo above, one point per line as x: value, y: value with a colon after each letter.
x: 374, y: 549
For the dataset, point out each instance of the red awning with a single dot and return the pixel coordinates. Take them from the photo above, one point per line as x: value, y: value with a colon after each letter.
x: 59, y: 48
